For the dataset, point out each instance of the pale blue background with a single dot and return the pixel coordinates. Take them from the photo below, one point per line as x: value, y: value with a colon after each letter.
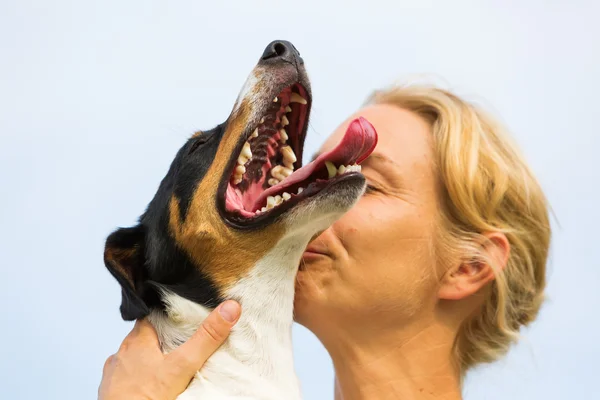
x: 96, y: 97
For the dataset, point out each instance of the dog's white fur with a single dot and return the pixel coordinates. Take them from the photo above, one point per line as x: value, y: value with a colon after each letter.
x: 256, y: 362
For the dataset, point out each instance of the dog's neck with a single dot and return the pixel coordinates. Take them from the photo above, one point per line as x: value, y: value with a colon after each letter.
x: 257, y: 356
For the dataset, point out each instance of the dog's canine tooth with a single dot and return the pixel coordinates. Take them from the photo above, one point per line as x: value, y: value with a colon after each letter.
x: 331, y: 169
x: 286, y: 196
x: 284, y: 121
x: 296, y: 98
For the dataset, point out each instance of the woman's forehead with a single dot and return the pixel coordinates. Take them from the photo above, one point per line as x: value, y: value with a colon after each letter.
x: 402, y: 135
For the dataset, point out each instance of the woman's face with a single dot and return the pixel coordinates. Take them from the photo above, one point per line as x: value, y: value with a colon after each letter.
x: 376, y: 263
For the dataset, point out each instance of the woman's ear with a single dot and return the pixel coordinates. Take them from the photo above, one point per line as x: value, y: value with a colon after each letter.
x: 469, y: 277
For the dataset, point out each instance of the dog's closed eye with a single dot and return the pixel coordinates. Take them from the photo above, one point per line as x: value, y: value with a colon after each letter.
x: 199, y: 141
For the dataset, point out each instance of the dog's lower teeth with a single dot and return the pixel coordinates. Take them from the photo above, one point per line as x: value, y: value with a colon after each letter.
x: 332, y: 171
x: 284, y: 121
x: 286, y: 196
x: 300, y: 190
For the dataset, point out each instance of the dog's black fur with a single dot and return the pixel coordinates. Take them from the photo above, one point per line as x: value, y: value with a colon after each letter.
x: 150, y: 256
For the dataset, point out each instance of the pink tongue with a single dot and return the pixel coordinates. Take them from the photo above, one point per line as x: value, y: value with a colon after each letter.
x: 356, y: 145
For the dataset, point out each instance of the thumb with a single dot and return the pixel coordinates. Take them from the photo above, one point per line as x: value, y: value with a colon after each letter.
x: 208, y: 338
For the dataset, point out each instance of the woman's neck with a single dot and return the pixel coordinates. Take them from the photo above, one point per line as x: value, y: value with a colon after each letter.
x: 414, y: 362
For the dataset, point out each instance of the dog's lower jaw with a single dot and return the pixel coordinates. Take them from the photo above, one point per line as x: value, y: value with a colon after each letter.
x: 256, y: 362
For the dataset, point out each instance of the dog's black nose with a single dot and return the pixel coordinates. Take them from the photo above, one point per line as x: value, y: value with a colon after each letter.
x: 282, y: 50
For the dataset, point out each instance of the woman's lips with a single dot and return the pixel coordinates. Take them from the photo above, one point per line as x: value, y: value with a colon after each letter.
x: 312, y: 253
x: 312, y: 249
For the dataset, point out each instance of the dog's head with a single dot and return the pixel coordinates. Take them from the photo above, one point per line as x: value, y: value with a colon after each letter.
x: 235, y: 191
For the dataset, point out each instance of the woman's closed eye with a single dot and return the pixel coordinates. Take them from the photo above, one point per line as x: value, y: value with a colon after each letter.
x: 372, y: 188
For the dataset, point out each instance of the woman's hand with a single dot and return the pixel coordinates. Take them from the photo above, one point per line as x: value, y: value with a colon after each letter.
x: 140, y: 371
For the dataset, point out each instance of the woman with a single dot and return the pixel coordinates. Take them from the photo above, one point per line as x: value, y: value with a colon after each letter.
x: 433, y: 271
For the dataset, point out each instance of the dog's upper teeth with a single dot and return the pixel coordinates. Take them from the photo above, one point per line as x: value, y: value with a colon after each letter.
x: 289, y: 157
x: 284, y: 135
x: 255, y: 133
x: 280, y: 172
x: 288, y: 109
x: 284, y: 121
x: 246, y: 151
x: 296, y: 98
x: 273, y: 181
x: 240, y: 169
x: 262, y: 120
x: 275, y: 99
x: 242, y: 159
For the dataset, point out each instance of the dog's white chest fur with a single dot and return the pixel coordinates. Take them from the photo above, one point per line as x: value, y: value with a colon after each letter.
x: 256, y: 362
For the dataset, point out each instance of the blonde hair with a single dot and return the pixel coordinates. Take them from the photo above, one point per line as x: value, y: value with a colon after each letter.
x: 485, y: 186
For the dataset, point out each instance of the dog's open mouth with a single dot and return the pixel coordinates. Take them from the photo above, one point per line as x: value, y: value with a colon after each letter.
x: 268, y: 177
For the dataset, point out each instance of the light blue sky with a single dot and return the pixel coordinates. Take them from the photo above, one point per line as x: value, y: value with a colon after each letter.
x: 96, y: 97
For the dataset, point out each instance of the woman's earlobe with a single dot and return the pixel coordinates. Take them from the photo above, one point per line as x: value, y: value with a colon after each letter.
x: 468, y: 277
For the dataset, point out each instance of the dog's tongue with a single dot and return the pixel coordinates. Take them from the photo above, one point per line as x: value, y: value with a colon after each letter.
x: 356, y: 145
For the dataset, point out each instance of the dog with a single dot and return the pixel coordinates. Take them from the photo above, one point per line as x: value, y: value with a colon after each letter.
x: 230, y: 220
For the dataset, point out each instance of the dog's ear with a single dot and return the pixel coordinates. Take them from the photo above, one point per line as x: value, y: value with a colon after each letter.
x: 125, y: 259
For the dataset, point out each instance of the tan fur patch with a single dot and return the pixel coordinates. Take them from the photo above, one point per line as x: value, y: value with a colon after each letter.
x: 222, y: 253
x: 119, y: 258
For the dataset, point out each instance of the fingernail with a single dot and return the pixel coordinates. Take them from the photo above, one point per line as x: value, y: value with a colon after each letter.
x: 230, y: 311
